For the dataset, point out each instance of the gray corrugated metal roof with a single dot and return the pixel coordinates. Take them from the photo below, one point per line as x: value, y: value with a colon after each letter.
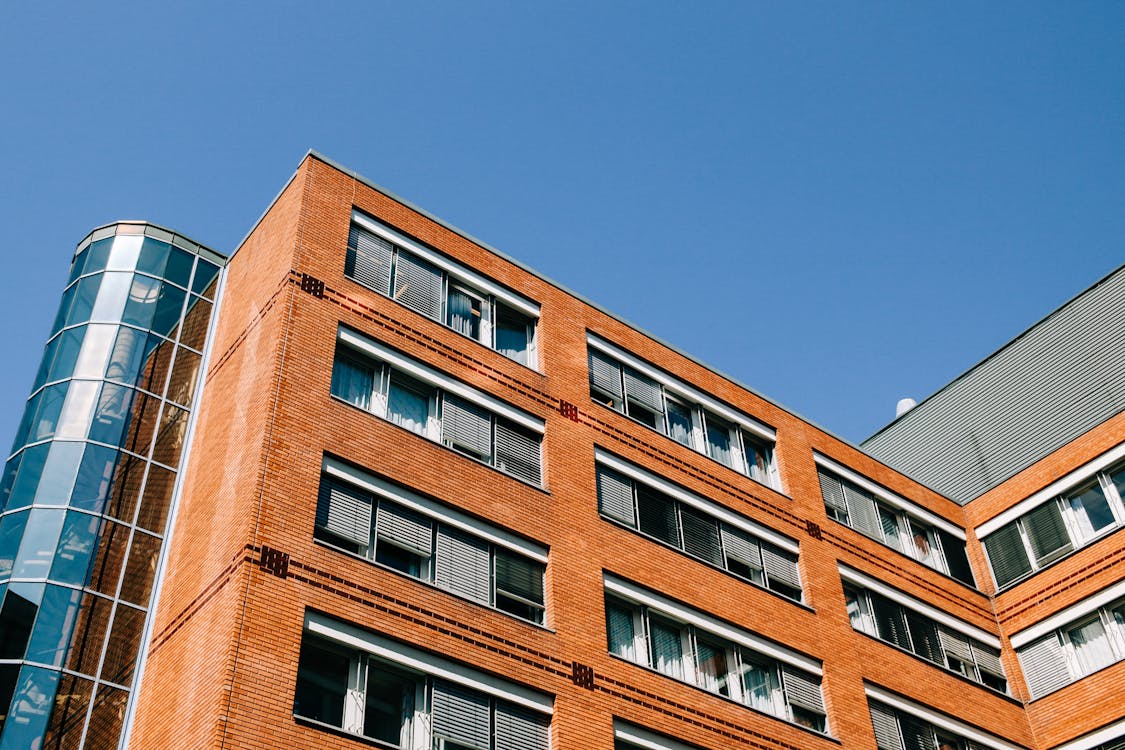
x: 1054, y: 382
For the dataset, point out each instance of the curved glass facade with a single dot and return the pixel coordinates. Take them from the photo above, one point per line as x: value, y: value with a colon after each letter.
x: 86, y: 493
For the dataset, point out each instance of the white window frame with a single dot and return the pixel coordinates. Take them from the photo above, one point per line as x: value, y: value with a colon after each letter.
x: 644, y: 739
x: 938, y: 721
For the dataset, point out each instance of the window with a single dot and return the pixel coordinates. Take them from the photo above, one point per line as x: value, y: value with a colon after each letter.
x: 1092, y: 641
x: 852, y: 505
x: 644, y: 634
x: 899, y: 730
x: 912, y: 630
x: 676, y: 410
x: 631, y: 737
x: 377, y: 691
x: 695, y: 528
x: 428, y: 283
x: 423, y: 401
x: 1056, y: 528
x: 421, y: 539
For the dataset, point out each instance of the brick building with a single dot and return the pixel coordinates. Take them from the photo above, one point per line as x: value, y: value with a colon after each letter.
x: 369, y: 483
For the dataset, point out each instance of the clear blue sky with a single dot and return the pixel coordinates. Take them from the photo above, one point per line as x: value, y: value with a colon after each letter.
x: 838, y: 204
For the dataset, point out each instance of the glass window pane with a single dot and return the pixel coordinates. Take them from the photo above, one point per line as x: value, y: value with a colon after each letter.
x: 711, y: 667
x: 11, y: 532
x: 85, y: 648
x: 59, y: 473
x: 170, y: 437
x: 513, y: 334
x: 141, y: 424
x: 718, y: 440
x: 109, y: 555
x: 46, y: 416
x: 922, y: 545
x: 759, y: 456
x: 157, y: 499
x: 679, y: 422
x: 128, y: 353
x: 126, y: 488
x: 94, y: 474
x: 96, y: 344
x: 761, y: 686
x: 78, y: 411
x: 389, y: 705
x: 64, y: 308
x: 178, y: 270
x: 408, y: 404
x: 57, y: 615
x: 112, y: 413
x: 126, y: 249
x: 77, y: 263
x: 106, y: 717
x: 64, y: 732
x: 97, y: 255
x: 10, y: 470
x: 31, y: 706
x: 140, y: 571
x: 69, y: 345
x: 144, y: 293
x: 85, y: 294
x: 889, y: 522
x: 205, y: 273
x: 27, y: 480
x: 45, y: 363
x: 353, y: 380
x: 76, y: 545
x: 111, y: 297
x: 40, y: 538
x: 621, y: 631
x: 185, y: 376
x: 196, y: 320
x: 667, y: 647
x: 1091, y: 646
x: 158, y: 361
x: 154, y: 256
x: 1091, y: 510
x: 322, y: 682
x: 464, y: 312
x: 656, y: 513
x: 17, y: 617
x: 169, y: 308
x: 123, y: 644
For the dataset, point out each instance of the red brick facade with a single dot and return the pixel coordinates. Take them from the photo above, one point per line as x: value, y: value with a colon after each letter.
x: 244, y: 568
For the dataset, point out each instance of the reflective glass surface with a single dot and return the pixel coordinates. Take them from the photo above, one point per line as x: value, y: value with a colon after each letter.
x: 76, y: 546
x: 40, y: 537
x: 58, y: 613
x: 126, y: 250
x: 27, y: 480
x: 31, y: 704
x: 59, y: 472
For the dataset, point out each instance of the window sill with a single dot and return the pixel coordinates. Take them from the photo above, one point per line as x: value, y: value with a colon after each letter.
x: 651, y: 429
x: 431, y: 585
x: 991, y: 690
x: 340, y: 732
x: 703, y: 562
x: 443, y: 446
x: 645, y: 667
x: 905, y: 556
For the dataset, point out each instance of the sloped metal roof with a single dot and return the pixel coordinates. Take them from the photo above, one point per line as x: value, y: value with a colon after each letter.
x: 1054, y: 382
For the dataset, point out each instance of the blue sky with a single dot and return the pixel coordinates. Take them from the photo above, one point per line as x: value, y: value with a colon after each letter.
x: 838, y: 204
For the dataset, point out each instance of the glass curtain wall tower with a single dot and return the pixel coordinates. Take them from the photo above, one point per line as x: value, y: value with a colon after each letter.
x: 87, y: 491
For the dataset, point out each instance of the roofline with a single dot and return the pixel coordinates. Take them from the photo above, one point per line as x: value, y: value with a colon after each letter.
x: 207, y: 251
x: 312, y: 153
x: 989, y: 358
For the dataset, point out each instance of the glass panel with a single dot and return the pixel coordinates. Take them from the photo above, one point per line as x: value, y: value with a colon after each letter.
x: 57, y: 617
x: 718, y: 440
x: 892, y: 531
x: 322, y: 681
x: 389, y: 704
x: 94, y: 475
x: 178, y: 270
x: 408, y: 404
x: 76, y: 264
x: 185, y: 375
x: 85, y: 294
x: 761, y: 686
x: 31, y: 705
x: 758, y: 458
x: 59, y: 473
x: 711, y: 667
x: 154, y: 256
x: 27, y: 480
x: 513, y: 334
x: 126, y: 249
x: 11, y: 532
x: 95, y: 350
x: 64, y: 732
x: 205, y: 273
x: 657, y: 515
x: 125, y: 489
x: 78, y: 411
x: 45, y: 363
x: 51, y: 400
x: 141, y: 423
x: 141, y: 306
x: 922, y: 545
x: 111, y: 414
x: 123, y: 644
x: 40, y: 538
x: 136, y: 586
x: 170, y: 439
x: 1091, y: 646
x: 169, y: 308
x: 130, y: 351
x: 10, y: 470
x: 155, y: 372
x: 76, y: 545
x: 464, y: 312
x: 1091, y: 510
x: 8, y: 675
x: 17, y: 615
x: 69, y: 344
x: 64, y: 309
x: 97, y: 255
x: 679, y: 422
x: 111, y: 297
x: 157, y: 499
x: 85, y: 649
x: 621, y: 631
x: 109, y: 555
x: 107, y: 716
x: 858, y: 611
x: 667, y: 647
x: 196, y: 320
x: 353, y: 380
